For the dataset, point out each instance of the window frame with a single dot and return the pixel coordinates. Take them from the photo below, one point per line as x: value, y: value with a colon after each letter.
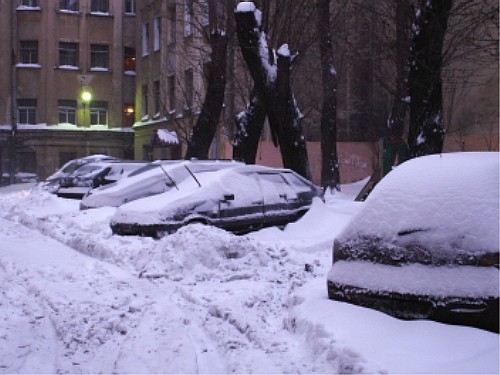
x: 98, y: 109
x: 157, y: 33
x: 129, y: 59
x: 28, y: 4
x: 69, y: 6
x: 66, y: 108
x: 129, y: 7
x: 28, y: 48
x: 96, y: 5
x: 68, y: 54
x: 26, y: 109
x: 99, y: 56
x: 145, y: 39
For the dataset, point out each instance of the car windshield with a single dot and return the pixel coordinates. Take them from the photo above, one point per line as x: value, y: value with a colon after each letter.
x: 144, y: 169
x: 71, y: 166
x: 89, y: 168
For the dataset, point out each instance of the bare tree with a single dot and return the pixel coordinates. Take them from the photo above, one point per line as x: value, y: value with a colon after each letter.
x: 271, y: 72
x: 426, y: 133
x: 208, y: 120
x: 330, y: 175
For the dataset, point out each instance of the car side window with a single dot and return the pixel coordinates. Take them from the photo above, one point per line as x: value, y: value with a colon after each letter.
x: 275, y: 187
x: 245, y: 189
x: 297, y: 184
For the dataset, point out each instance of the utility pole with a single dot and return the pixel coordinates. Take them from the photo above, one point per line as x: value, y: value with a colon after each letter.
x: 13, y: 133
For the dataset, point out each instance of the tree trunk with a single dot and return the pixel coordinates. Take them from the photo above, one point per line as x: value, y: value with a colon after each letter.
x: 206, y: 126
x: 397, y: 117
x: 271, y: 76
x: 426, y: 133
x: 330, y: 174
x: 249, y: 124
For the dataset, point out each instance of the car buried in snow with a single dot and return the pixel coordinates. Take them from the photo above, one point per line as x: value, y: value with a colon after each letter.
x: 53, y: 182
x: 425, y: 245
x: 238, y: 199
x: 154, y: 178
x: 92, y: 175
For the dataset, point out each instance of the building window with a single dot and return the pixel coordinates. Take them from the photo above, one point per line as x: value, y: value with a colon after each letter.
x: 29, y: 52
x: 145, y: 39
x: 67, y: 111
x: 26, y: 111
x: 27, y: 4
x: 173, y: 24
x: 144, y: 100
x: 157, y: 34
x: 69, y: 5
x: 99, y: 6
x: 128, y: 111
x: 129, y: 59
x: 129, y: 6
x: 98, y: 113
x: 99, y: 56
x: 188, y: 15
x: 157, y: 97
x: 171, y: 92
x: 188, y: 83
x: 68, y: 54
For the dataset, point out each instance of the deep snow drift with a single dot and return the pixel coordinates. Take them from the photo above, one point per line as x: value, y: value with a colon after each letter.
x: 76, y: 299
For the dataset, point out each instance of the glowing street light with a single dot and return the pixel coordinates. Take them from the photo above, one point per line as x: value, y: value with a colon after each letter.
x: 86, y: 96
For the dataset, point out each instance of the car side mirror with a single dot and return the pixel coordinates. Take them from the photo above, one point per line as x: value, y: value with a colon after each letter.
x: 228, y: 197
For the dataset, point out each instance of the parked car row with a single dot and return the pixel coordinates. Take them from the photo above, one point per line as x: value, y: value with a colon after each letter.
x: 241, y: 198
x: 159, y: 197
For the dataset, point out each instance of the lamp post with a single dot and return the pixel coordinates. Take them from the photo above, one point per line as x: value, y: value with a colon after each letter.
x: 86, y: 97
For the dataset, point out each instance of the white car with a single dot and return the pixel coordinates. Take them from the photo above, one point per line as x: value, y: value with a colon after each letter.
x: 238, y: 199
x: 95, y: 174
x: 425, y: 244
x: 154, y: 178
x: 52, y: 183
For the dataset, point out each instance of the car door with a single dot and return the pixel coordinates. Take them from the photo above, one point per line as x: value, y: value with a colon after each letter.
x: 240, y: 203
x: 279, y: 198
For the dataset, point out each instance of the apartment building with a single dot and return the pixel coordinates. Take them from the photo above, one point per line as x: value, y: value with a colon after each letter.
x: 170, y: 84
x: 67, y: 83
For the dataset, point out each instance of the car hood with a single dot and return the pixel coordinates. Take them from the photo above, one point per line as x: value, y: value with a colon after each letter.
x: 438, y: 208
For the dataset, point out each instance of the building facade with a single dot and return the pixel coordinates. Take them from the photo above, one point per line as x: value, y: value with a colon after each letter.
x: 67, y: 87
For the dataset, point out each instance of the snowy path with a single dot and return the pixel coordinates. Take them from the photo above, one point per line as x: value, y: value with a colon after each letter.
x: 199, y: 301
x: 76, y: 299
x: 78, y: 314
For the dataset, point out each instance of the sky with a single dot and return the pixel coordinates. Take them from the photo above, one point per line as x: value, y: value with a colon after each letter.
x: 77, y: 299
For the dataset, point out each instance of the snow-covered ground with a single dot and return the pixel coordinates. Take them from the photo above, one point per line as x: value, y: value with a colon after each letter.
x: 76, y: 299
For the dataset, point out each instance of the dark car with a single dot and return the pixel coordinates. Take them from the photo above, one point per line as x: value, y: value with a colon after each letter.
x: 238, y: 199
x: 93, y: 175
x: 425, y: 245
x: 154, y: 178
x: 53, y: 182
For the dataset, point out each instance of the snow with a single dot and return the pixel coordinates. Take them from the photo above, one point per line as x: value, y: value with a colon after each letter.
x: 77, y: 299
x: 284, y: 50
x: 433, y: 281
x: 436, y: 196
x: 167, y: 136
x: 245, y: 6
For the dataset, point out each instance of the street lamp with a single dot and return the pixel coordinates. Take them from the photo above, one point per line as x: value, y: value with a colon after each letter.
x: 86, y: 97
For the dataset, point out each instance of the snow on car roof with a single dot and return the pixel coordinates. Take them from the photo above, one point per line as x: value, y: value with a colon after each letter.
x: 448, y: 202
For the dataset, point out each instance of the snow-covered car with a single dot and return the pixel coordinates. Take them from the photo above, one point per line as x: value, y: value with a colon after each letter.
x: 153, y: 178
x: 92, y: 175
x: 52, y: 183
x: 425, y: 245
x: 238, y: 199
